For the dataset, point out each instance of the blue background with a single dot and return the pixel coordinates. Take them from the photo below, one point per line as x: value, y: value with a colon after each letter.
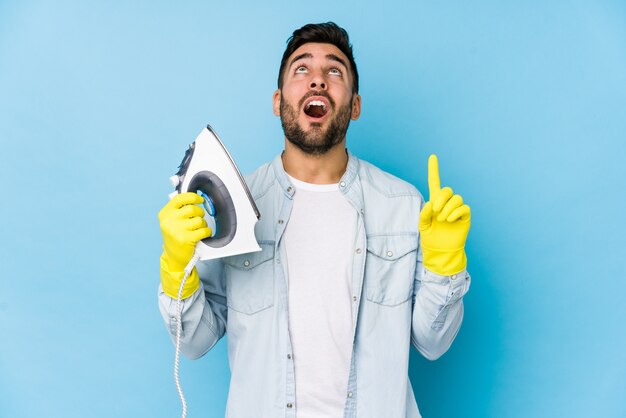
x: 524, y: 103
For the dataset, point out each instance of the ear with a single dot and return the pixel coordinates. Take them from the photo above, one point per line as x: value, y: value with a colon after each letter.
x: 356, y: 107
x: 276, y: 100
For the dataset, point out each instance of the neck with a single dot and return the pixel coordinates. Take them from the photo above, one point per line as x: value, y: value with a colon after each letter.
x: 316, y: 169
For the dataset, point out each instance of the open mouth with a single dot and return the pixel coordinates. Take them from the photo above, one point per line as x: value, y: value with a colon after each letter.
x: 316, y: 109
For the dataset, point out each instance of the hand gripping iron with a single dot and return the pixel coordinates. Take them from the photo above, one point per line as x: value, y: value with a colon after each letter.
x: 230, y: 212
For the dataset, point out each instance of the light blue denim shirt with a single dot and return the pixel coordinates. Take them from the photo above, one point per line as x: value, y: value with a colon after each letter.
x: 396, y: 303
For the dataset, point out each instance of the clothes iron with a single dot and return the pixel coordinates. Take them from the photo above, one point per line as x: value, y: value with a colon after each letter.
x: 230, y: 211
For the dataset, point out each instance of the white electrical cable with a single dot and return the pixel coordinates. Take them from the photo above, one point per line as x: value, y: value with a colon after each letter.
x: 179, y: 329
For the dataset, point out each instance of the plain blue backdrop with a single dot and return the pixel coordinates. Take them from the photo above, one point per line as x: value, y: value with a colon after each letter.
x: 524, y: 103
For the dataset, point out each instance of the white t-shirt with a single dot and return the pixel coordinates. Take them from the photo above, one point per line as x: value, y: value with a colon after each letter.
x: 319, y: 244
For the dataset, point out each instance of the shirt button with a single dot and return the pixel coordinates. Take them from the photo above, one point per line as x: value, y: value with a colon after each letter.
x: 246, y: 263
x: 342, y: 184
x: 278, y: 261
x: 289, y: 405
x: 280, y: 221
x: 358, y: 251
x: 349, y: 394
x: 289, y: 189
x: 453, y: 276
x: 354, y: 298
x: 289, y: 356
x: 389, y: 253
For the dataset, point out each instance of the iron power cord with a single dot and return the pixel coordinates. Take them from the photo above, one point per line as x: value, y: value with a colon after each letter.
x: 179, y: 329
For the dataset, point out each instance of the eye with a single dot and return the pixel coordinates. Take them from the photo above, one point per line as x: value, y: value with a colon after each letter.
x: 335, y: 71
x: 301, y: 69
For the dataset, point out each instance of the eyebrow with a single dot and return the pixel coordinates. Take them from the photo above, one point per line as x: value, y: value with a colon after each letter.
x: 299, y: 57
x: 334, y: 57
x: 331, y: 57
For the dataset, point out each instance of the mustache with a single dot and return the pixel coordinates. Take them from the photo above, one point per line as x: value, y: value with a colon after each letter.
x: 316, y: 93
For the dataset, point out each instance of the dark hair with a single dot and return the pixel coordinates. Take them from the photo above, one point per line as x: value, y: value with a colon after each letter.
x: 326, y: 33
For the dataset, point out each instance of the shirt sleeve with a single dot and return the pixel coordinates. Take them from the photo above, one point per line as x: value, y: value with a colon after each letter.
x: 204, y: 313
x: 437, y: 309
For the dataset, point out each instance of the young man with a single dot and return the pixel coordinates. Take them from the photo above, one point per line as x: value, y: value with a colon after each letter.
x: 320, y: 322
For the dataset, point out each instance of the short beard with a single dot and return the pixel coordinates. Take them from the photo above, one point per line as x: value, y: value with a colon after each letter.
x: 315, y: 141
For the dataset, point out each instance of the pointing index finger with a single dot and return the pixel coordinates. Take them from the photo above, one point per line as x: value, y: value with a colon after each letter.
x: 434, y: 184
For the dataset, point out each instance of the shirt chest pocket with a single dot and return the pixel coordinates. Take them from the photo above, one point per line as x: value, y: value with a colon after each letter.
x: 390, y: 268
x: 250, y: 280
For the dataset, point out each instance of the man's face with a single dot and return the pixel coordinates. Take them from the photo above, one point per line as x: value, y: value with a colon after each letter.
x: 316, y: 101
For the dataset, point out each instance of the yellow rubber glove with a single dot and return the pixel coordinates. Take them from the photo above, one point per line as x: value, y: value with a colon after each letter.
x: 182, y: 225
x: 443, y: 225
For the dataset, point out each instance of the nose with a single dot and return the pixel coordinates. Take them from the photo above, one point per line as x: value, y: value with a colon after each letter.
x: 317, y: 82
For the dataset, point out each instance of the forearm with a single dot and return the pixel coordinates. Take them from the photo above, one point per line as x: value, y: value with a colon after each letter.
x: 202, y: 327
x: 437, y: 311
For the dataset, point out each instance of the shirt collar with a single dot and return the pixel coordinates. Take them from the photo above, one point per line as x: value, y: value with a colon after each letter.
x: 345, y: 183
